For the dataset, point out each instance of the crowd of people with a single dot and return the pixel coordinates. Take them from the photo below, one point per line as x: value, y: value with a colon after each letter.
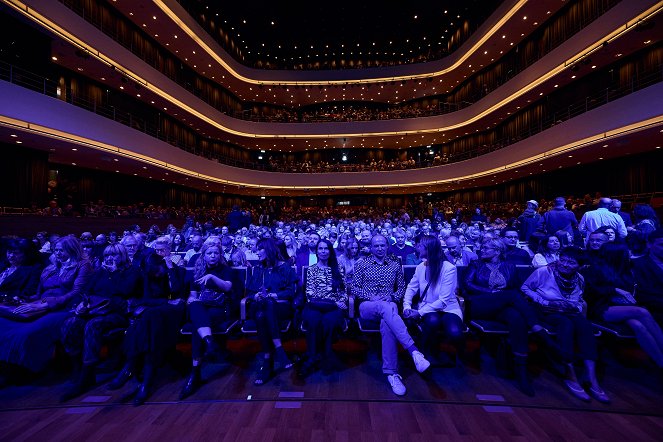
x: 604, y: 266
x: 370, y: 165
x: 349, y: 113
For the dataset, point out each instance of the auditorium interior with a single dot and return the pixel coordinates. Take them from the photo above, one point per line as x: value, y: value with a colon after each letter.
x: 323, y: 107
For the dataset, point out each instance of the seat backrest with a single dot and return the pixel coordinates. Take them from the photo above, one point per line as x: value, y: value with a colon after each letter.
x: 523, y: 272
x: 408, y: 273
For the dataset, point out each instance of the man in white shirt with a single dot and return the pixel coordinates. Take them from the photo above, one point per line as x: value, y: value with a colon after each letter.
x: 602, y: 216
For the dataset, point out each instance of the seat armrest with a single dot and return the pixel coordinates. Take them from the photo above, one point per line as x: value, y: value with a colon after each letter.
x: 242, y: 307
x: 351, y: 306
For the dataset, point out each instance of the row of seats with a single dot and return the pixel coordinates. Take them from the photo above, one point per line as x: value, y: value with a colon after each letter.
x: 247, y: 325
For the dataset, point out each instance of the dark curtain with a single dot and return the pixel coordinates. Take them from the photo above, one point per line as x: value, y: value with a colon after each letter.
x: 23, y: 176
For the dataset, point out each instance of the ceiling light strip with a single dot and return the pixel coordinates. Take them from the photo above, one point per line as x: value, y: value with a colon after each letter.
x: 30, y: 13
x: 97, y: 145
x: 212, y: 53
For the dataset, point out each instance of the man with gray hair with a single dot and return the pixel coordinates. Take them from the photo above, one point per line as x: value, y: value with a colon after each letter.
x: 616, y: 207
x: 600, y: 217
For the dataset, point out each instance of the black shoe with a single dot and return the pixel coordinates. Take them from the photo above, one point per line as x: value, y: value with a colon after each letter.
x: 525, y: 386
x: 192, y: 383
x: 522, y: 379
x: 306, y: 369
x: 122, y: 377
x: 141, y: 394
x: 265, y: 372
x: 85, y: 382
x: 281, y: 360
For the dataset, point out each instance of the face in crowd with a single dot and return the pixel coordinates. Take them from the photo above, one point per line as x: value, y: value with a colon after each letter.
x: 596, y: 240
x: 379, y: 246
x: 510, y: 238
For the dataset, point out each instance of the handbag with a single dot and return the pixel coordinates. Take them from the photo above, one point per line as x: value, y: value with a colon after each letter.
x: 7, y: 311
x: 621, y: 299
x: 93, y: 305
x: 322, y: 305
x: 556, y: 308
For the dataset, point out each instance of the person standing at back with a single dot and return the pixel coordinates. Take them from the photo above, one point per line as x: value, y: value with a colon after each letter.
x: 558, y: 218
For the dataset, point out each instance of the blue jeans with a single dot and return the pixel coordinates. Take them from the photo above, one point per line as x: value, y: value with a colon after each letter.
x: 392, y: 329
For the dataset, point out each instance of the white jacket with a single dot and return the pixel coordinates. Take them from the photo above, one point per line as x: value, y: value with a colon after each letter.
x: 440, y: 297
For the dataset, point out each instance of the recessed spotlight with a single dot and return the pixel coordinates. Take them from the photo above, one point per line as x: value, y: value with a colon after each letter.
x: 19, y: 142
x: 54, y: 58
x: 74, y: 149
x: 14, y: 136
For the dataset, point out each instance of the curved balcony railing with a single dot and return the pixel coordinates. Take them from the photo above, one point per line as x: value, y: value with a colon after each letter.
x: 49, y: 87
x: 575, y: 26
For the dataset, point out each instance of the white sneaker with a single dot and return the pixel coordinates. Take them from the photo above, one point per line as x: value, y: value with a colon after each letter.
x: 420, y: 362
x: 396, y: 382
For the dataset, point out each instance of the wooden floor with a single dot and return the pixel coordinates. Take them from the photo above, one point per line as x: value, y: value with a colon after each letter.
x: 466, y: 402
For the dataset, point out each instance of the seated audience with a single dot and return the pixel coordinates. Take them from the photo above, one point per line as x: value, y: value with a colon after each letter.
x: 400, y: 249
x: 19, y: 274
x: 430, y: 297
x: 557, y: 290
x: 28, y: 338
x: 378, y: 284
x: 156, y: 320
x: 326, y: 301
x: 348, y: 259
x: 271, y: 280
x: 648, y: 274
x: 610, y: 293
x: 511, y: 252
x: 456, y: 254
x: 102, y: 309
x: 214, y: 295
x: 548, y: 251
x: 492, y: 293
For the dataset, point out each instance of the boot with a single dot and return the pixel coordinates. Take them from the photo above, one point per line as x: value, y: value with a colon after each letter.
x: 265, y: 372
x: 85, y: 381
x: 122, y: 377
x: 522, y: 379
x: 193, y: 382
x: 212, y: 351
x: 307, y: 367
x: 145, y: 386
x: 281, y: 360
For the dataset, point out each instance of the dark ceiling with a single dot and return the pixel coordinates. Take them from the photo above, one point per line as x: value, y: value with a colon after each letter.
x: 317, y: 34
